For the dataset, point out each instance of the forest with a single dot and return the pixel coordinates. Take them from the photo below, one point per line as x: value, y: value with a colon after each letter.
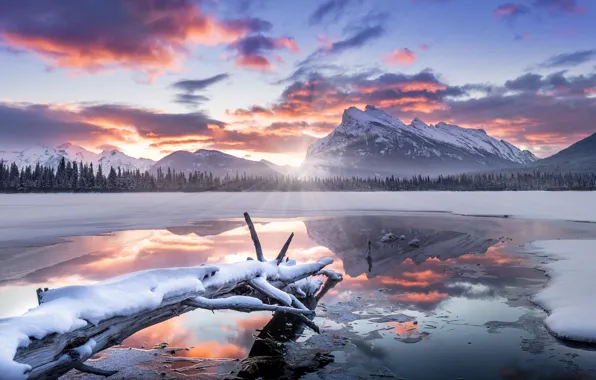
x: 79, y: 177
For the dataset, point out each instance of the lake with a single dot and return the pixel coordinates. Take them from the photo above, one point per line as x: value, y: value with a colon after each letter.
x: 458, y: 307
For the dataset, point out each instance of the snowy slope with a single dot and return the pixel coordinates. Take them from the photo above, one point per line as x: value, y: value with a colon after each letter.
x: 373, y: 139
x: 77, y: 153
x: 47, y: 156
x: 114, y: 158
x: 43, y: 155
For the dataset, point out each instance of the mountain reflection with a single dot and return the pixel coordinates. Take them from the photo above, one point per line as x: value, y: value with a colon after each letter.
x: 420, y: 277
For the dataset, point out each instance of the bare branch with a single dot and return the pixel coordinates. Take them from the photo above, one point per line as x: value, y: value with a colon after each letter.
x: 284, y: 249
x: 242, y: 303
x: 82, y: 367
x: 52, y: 355
x: 269, y: 290
x: 254, y: 237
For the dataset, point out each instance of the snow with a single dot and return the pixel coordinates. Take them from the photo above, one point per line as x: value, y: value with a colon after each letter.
x: 235, y: 301
x: 569, y: 295
x: 386, y: 129
x: 388, y: 238
x: 47, y: 156
x: 72, y: 307
x: 272, y: 291
x: 305, y: 287
x: 115, y: 159
x: 46, y: 217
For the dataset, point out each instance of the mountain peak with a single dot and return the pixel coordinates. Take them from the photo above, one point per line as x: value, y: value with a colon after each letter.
x: 372, y: 142
x: 210, y: 152
x: 418, y: 123
x: 66, y: 145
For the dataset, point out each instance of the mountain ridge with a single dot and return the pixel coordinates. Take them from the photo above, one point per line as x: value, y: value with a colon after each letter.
x: 214, y: 161
x: 47, y: 156
x: 372, y: 142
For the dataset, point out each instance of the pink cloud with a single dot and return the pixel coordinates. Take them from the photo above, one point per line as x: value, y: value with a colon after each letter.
x: 403, y: 56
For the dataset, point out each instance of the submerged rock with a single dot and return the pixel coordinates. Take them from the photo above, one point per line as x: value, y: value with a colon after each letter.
x: 414, y: 243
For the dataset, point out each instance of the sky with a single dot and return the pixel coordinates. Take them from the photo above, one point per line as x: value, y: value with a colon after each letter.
x: 263, y: 79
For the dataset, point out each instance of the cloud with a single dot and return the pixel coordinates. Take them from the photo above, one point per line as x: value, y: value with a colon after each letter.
x: 522, y: 37
x: 47, y: 124
x: 322, y: 99
x: 190, y: 86
x: 549, y: 112
x: 250, y: 112
x: 527, y: 82
x: 560, y: 6
x: 142, y: 35
x: 569, y: 59
x: 401, y: 56
x: 510, y: 11
x: 251, y: 51
x: 193, y: 85
x: 149, y: 123
x: 190, y: 100
x: 102, y: 125
x: 329, y: 7
x: 556, y: 84
x: 358, y: 39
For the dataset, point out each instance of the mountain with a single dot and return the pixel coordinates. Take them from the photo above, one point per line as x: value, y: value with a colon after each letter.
x: 47, y: 156
x: 374, y: 143
x: 43, y: 155
x: 213, y: 161
x: 442, y: 238
x: 77, y: 153
x: 114, y: 158
x: 281, y: 169
x: 579, y: 157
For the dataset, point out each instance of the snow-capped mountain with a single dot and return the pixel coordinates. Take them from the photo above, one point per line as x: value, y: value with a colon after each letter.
x: 116, y: 159
x: 213, y: 161
x: 372, y: 142
x: 77, y: 153
x: 47, y: 156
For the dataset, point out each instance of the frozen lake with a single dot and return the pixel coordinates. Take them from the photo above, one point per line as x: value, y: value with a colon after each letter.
x: 466, y: 291
x: 44, y: 217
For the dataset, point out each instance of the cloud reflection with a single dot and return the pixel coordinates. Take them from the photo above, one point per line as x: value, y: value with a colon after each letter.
x: 405, y: 276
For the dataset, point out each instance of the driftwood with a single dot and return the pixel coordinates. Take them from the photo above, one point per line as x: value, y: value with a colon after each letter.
x: 56, y: 354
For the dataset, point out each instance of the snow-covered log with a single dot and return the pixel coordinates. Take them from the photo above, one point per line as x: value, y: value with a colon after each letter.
x: 75, y: 322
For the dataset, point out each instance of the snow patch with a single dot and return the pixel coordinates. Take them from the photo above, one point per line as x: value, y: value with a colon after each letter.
x: 569, y: 296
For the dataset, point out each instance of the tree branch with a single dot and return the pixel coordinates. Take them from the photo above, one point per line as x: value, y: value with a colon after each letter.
x: 242, y: 303
x: 284, y: 249
x: 82, y: 367
x: 254, y: 237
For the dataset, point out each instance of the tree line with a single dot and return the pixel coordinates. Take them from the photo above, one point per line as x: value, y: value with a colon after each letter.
x: 79, y: 177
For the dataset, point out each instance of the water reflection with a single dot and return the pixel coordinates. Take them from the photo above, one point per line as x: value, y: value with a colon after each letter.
x: 461, y: 272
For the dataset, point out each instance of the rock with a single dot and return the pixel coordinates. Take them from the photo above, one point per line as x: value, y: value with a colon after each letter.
x: 388, y: 238
x: 414, y: 243
x: 402, y: 237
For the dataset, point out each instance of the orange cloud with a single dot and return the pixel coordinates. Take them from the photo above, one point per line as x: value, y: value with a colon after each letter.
x: 256, y: 62
x: 147, y: 37
x: 288, y: 43
x: 401, y: 56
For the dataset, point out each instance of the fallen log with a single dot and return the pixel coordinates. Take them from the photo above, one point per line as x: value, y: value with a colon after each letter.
x: 73, y: 323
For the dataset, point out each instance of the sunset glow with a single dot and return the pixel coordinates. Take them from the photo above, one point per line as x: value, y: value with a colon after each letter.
x: 285, y: 75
